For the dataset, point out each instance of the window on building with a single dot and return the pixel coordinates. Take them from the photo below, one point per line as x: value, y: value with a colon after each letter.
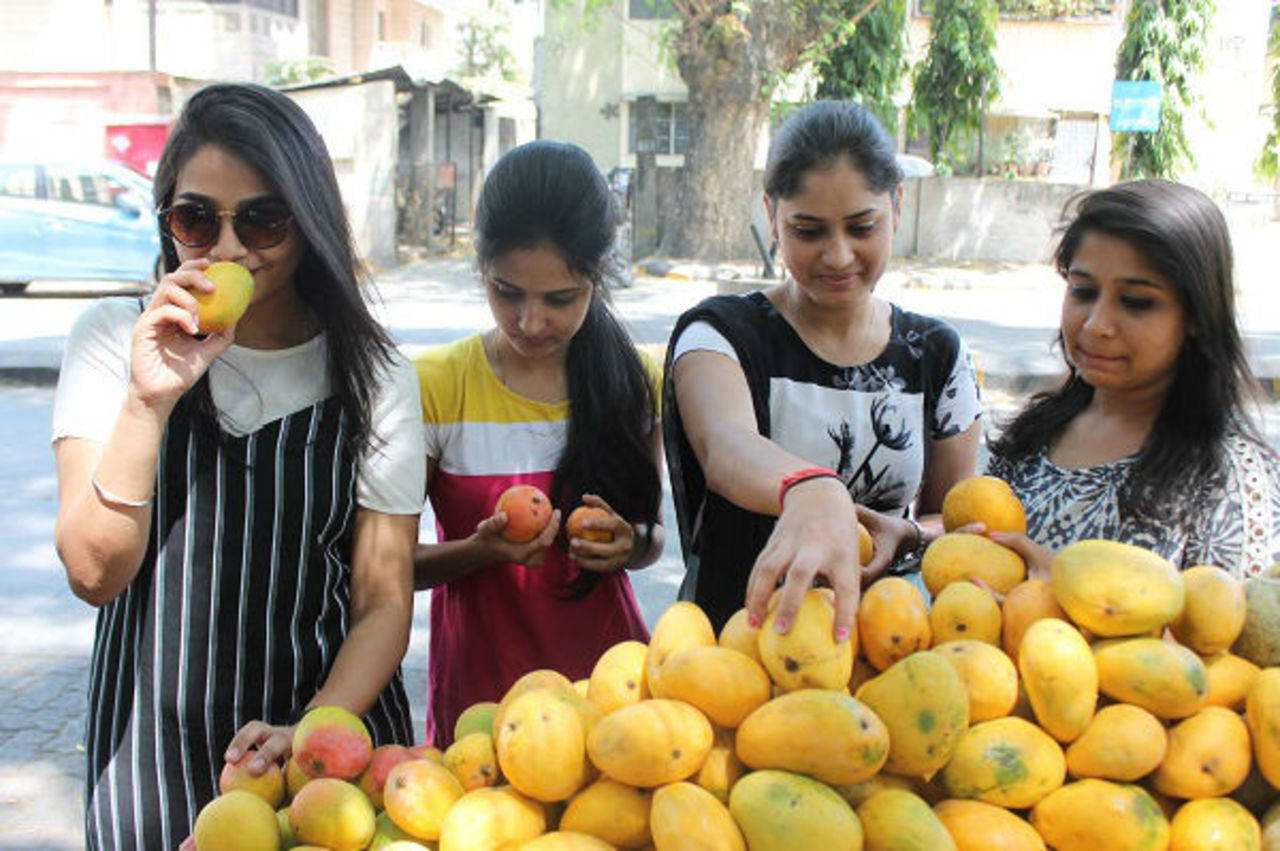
x: 382, y: 26
x: 670, y: 128
x: 424, y: 35
x: 650, y: 9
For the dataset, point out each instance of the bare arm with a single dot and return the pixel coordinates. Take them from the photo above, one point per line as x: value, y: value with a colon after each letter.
x: 950, y: 460
x: 816, y: 533
x: 101, y: 532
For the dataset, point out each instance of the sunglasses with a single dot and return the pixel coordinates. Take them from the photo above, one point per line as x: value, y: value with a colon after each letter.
x: 258, y: 224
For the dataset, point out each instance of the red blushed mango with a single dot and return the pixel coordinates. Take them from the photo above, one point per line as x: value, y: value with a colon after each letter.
x: 576, y: 527
x: 528, y: 512
x: 374, y: 777
x: 331, y: 741
x: 269, y: 786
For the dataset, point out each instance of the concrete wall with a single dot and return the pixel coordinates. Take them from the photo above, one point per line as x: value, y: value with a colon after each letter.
x: 965, y: 218
x: 360, y: 127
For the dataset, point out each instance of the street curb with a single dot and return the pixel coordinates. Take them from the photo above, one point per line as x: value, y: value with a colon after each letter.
x: 29, y: 376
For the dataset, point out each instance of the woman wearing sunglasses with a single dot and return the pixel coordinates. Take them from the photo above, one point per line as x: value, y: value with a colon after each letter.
x: 241, y: 506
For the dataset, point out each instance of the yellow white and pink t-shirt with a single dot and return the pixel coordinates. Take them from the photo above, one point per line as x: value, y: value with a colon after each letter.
x: 500, y: 622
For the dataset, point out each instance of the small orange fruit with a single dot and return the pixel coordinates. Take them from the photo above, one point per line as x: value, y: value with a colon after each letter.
x: 528, y: 512
x: 576, y: 527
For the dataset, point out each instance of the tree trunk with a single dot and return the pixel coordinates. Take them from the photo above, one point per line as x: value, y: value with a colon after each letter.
x: 711, y: 218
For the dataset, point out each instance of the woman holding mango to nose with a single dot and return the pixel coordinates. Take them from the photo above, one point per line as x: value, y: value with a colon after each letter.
x: 240, y: 475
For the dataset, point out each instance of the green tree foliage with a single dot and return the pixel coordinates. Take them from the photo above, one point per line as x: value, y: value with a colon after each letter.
x: 1269, y: 163
x: 1039, y: 10
x: 869, y: 65
x: 1164, y: 41
x: 483, y: 44
x: 957, y: 77
x: 292, y: 72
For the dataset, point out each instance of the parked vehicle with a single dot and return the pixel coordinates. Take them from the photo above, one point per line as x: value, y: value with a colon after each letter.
x: 77, y: 221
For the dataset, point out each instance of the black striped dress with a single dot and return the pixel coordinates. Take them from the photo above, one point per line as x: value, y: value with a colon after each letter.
x: 237, y: 613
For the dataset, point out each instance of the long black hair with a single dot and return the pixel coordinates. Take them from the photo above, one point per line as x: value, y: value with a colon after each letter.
x: 551, y: 193
x: 1182, y: 234
x: 271, y: 134
x: 815, y: 136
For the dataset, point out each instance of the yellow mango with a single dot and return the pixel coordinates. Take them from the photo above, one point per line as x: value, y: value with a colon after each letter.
x: 893, y: 622
x: 1123, y: 742
x: 821, y: 733
x: 1208, y: 755
x: 1213, y: 614
x: 965, y: 611
x: 722, y: 768
x: 1160, y: 676
x: 651, y: 743
x: 808, y: 656
x: 724, y: 684
x: 614, y: 812
x: 856, y: 793
x: 1115, y: 589
x: 979, y: 826
x: 476, y: 718
x: 989, y: 677
x: 986, y: 500
x: 541, y: 745
x: 1214, y: 824
x: 490, y: 819
x: 961, y: 557
x: 564, y: 840
x: 618, y: 678
x: 923, y: 703
x: 1090, y: 815
x: 738, y: 634
x: 780, y: 811
x: 894, y: 820
x: 1060, y: 676
x: 1262, y: 712
x: 1271, y: 828
x: 473, y: 761
x: 1027, y: 603
x: 541, y: 678
x: 681, y: 626
x: 1230, y: 678
x: 1007, y: 761
x: 686, y: 817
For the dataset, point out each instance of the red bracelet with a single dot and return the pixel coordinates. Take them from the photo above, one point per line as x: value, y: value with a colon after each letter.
x: 804, y: 475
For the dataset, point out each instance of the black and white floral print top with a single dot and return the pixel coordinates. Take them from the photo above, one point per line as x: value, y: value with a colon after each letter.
x: 1237, y: 526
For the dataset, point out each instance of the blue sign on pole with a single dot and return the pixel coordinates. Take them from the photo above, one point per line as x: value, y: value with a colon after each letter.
x: 1135, y: 106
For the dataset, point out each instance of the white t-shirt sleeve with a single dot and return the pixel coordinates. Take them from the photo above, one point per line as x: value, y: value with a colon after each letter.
x: 702, y: 337
x: 393, y: 470
x: 94, y: 377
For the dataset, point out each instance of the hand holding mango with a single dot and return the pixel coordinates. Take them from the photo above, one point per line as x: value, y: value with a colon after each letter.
x: 223, y: 307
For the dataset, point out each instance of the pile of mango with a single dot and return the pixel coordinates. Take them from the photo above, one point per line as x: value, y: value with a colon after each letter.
x: 1101, y: 709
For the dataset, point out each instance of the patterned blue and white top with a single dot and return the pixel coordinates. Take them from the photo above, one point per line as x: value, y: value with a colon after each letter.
x: 1237, y: 530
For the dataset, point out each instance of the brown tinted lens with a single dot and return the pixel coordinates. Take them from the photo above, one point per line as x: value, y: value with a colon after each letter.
x: 194, y: 225
x: 263, y: 225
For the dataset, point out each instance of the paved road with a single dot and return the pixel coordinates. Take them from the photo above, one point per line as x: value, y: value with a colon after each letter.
x: 46, y: 633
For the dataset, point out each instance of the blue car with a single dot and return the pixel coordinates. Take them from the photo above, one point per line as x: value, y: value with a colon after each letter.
x: 75, y: 221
